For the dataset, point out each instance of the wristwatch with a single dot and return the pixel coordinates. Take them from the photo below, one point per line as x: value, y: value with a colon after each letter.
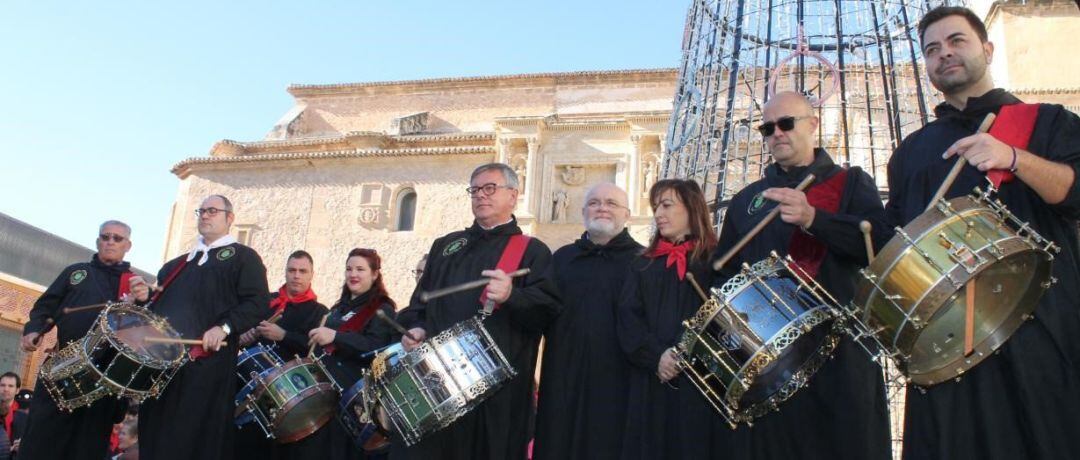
x: 225, y: 327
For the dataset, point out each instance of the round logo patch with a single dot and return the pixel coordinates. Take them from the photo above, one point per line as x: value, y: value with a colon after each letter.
x: 77, y: 277
x: 226, y: 253
x: 454, y: 246
x: 756, y: 204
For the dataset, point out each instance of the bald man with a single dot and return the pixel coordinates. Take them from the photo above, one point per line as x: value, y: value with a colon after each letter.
x: 584, y: 378
x: 842, y: 413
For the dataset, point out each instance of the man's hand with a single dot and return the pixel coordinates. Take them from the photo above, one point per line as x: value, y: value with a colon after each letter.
x: 139, y: 289
x: 794, y: 209
x: 30, y: 341
x: 499, y: 288
x: 668, y: 367
x: 983, y: 151
x: 409, y: 344
x: 271, y: 331
x: 212, y: 338
x: 248, y: 337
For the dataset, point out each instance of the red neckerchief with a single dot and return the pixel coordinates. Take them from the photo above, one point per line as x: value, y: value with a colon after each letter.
x: 279, y: 302
x: 676, y: 254
x: 805, y: 249
x: 1014, y: 125
x: 10, y: 417
x: 358, y: 320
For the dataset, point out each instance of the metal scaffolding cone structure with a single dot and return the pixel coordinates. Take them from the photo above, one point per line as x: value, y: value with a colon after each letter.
x: 858, y: 60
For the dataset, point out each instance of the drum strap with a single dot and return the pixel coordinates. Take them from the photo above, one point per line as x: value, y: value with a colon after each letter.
x: 806, y: 250
x: 1014, y: 126
x: 169, y: 279
x: 508, y: 262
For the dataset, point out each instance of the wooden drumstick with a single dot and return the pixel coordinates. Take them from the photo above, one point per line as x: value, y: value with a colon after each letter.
x: 958, y: 166
x: 276, y: 317
x: 697, y: 287
x: 865, y: 228
x: 85, y: 307
x: 758, y: 228
x: 311, y: 351
x: 180, y: 341
x: 396, y: 325
x: 426, y: 296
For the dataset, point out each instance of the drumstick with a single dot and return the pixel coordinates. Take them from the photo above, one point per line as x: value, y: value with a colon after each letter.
x: 396, y: 325
x: 311, y: 351
x: 758, y: 228
x: 426, y: 296
x: 865, y: 228
x: 180, y: 341
x: 958, y: 166
x: 276, y: 317
x: 969, y: 319
x: 697, y: 287
x: 85, y: 307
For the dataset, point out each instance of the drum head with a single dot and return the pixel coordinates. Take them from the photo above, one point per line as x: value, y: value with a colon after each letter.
x: 131, y: 325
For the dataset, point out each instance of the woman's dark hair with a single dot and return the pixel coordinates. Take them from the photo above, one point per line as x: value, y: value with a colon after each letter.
x: 378, y: 289
x: 691, y: 196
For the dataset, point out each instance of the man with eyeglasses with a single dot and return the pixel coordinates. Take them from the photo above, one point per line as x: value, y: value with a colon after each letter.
x: 522, y: 308
x: 214, y: 293
x: 585, y: 375
x: 84, y: 432
x: 1023, y: 401
x: 842, y: 412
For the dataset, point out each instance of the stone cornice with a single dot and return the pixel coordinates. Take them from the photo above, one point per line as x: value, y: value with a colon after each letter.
x: 582, y: 77
x: 228, y: 147
x: 184, y: 168
x: 1073, y: 90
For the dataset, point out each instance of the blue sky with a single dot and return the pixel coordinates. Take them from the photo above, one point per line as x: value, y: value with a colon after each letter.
x: 101, y: 99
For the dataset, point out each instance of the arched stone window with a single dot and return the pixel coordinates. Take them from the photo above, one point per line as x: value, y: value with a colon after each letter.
x: 406, y: 210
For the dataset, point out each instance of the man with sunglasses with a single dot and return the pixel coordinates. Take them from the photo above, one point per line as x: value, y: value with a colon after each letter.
x: 522, y: 307
x: 214, y: 293
x: 83, y: 432
x: 842, y: 412
x: 1022, y: 401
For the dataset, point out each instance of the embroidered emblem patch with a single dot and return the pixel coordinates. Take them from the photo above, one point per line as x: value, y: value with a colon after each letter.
x: 756, y: 204
x: 226, y: 253
x: 454, y: 246
x: 77, y: 276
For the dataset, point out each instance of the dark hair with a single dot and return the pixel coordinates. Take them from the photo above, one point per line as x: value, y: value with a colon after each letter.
x: 689, y: 192
x: 301, y: 254
x: 943, y: 12
x: 378, y: 289
x: 18, y: 380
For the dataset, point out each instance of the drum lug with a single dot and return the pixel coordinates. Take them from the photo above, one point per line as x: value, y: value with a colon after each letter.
x: 1050, y: 282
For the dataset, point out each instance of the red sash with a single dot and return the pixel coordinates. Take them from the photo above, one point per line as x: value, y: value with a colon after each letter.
x: 358, y: 321
x: 125, y: 284
x: 807, y: 251
x: 1013, y: 126
x: 508, y: 262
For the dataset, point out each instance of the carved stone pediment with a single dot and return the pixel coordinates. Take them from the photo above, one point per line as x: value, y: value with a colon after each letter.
x: 409, y: 124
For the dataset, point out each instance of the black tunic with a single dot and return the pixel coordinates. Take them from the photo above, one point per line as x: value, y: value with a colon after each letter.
x: 842, y: 413
x: 498, y: 429
x: 83, y: 433
x: 583, y: 384
x: 193, y: 417
x: 1022, y: 402
x: 664, y: 421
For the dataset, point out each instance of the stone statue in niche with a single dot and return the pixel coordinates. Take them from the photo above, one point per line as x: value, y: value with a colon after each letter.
x: 650, y: 175
x: 573, y: 175
x: 558, y: 206
x: 519, y: 169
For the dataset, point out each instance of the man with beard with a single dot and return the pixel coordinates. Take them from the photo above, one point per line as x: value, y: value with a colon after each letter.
x: 14, y: 419
x: 83, y: 432
x: 842, y: 413
x: 583, y: 383
x: 213, y: 293
x: 497, y: 429
x: 1021, y: 402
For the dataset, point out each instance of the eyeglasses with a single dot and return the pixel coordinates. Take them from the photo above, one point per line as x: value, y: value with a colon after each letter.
x: 784, y: 123
x: 209, y: 211
x: 488, y: 189
x: 104, y: 237
x: 597, y: 204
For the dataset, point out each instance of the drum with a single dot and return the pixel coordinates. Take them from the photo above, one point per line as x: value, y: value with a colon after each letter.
x: 114, y: 360
x: 758, y: 339
x: 913, y: 299
x: 356, y: 411
x: 425, y: 390
x: 293, y: 400
x: 250, y: 363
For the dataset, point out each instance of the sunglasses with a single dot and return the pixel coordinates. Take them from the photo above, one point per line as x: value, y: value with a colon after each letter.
x: 784, y: 123
x: 104, y: 237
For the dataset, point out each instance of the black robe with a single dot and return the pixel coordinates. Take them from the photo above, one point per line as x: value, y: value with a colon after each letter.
x: 83, y: 433
x: 1023, y: 401
x: 498, y: 429
x: 842, y: 413
x: 583, y: 384
x: 664, y: 420
x: 193, y: 417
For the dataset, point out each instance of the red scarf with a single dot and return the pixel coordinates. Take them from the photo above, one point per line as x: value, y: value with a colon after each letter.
x: 676, y: 254
x: 358, y: 320
x: 279, y: 302
x: 10, y: 417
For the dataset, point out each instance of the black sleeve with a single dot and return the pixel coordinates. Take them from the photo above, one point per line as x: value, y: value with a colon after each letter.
x: 376, y: 334
x: 728, y: 238
x: 840, y: 231
x: 641, y: 347
x: 253, y: 295
x: 894, y: 207
x: 415, y: 313
x: 1064, y: 147
x: 534, y: 301
x: 47, y: 307
x: 298, y: 339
